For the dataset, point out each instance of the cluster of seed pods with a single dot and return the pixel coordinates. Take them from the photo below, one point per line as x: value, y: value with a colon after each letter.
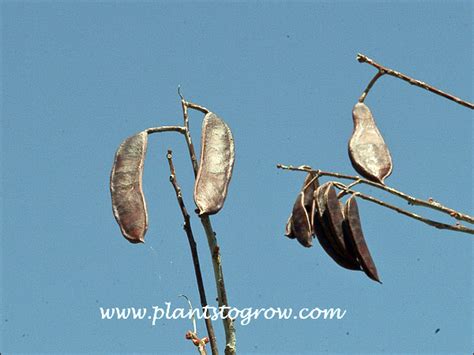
x: 211, y: 185
x: 318, y: 212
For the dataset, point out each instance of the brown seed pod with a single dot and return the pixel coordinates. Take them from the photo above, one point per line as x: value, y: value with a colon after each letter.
x: 300, y: 223
x: 128, y: 201
x: 216, y: 164
x: 356, y: 240
x: 368, y: 152
x: 324, y: 233
x: 335, y: 219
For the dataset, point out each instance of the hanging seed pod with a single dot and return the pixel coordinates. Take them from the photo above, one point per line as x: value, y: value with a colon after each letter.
x: 368, y: 152
x: 128, y: 201
x: 324, y: 233
x: 335, y: 219
x: 300, y: 223
x: 216, y: 164
x: 356, y: 240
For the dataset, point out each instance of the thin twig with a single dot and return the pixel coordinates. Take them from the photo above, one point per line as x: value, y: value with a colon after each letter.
x: 192, y: 245
x: 343, y: 193
x: 187, y: 135
x: 371, y: 83
x: 185, y: 105
x: 384, y: 70
x: 178, y: 129
x: 439, y: 225
x: 211, y: 237
x: 430, y: 203
x: 193, y: 319
x: 197, y: 107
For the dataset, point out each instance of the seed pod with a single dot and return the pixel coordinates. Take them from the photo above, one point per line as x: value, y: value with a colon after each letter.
x: 335, y: 219
x: 324, y: 233
x: 356, y: 240
x: 128, y: 201
x: 300, y: 223
x: 216, y: 164
x: 368, y: 152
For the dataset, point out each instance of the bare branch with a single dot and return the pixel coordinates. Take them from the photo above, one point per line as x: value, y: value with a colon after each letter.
x: 384, y: 70
x: 371, y: 83
x: 221, y: 290
x: 178, y: 129
x: 456, y: 227
x: 192, y: 245
x: 179, y: 92
x: 191, y: 104
x: 430, y: 203
x: 197, y: 107
x: 187, y: 135
x: 343, y: 193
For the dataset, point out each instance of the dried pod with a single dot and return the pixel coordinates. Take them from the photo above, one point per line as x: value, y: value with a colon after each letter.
x: 356, y: 240
x: 128, y: 201
x: 335, y: 219
x: 216, y: 164
x: 324, y: 233
x: 300, y: 223
x: 367, y: 149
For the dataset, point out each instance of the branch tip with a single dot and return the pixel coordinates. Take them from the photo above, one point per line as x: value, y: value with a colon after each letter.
x: 179, y: 93
x: 361, y: 58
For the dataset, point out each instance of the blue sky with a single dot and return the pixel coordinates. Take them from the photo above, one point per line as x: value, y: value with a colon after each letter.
x: 78, y: 78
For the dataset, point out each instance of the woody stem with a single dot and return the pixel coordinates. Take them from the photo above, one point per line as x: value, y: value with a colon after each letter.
x: 384, y: 70
x: 192, y: 245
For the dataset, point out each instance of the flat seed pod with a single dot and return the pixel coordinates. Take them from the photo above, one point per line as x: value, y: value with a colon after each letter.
x: 300, y: 223
x: 353, y: 231
x: 368, y: 152
x: 335, y: 219
x: 216, y: 164
x: 323, y: 231
x: 128, y: 201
